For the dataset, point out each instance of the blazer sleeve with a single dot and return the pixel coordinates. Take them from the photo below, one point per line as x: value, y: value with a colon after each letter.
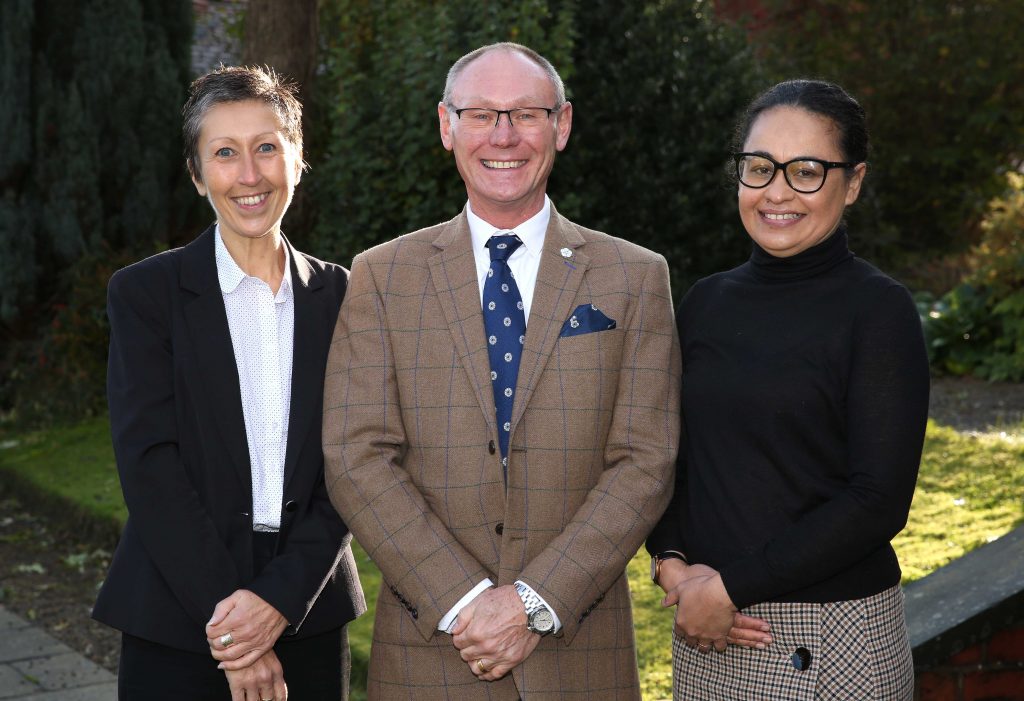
x: 293, y: 580
x: 667, y: 534
x: 164, y: 509
x: 364, y: 441
x: 592, y: 551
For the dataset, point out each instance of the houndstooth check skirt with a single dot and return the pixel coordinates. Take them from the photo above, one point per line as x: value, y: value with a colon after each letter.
x: 850, y: 650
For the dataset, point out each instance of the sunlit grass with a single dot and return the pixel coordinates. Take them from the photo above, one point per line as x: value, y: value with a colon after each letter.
x: 75, y: 463
x: 970, y: 491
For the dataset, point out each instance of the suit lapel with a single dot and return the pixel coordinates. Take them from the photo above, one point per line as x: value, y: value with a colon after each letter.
x: 207, y: 323
x: 453, y: 273
x: 558, y: 281
x: 309, y: 330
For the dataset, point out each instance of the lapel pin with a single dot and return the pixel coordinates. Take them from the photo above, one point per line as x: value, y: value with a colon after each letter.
x: 566, y: 252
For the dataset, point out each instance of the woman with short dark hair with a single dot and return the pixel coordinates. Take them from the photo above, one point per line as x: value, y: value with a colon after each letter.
x: 233, y: 578
x: 805, y: 398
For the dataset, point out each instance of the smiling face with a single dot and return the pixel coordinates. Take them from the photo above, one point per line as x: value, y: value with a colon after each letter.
x: 505, y: 170
x: 780, y: 220
x: 249, y: 169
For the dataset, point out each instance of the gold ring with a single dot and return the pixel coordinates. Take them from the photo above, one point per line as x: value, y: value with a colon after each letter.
x: 703, y: 647
x: 480, y: 666
x: 226, y: 640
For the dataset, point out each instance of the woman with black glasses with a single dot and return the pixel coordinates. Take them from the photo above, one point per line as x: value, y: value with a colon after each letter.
x: 805, y: 398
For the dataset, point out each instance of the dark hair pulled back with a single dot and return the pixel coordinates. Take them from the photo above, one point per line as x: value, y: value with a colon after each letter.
x: 818, y: 97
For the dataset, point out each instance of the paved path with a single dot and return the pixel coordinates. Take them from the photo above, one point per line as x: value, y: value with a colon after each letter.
x: 35, y: 666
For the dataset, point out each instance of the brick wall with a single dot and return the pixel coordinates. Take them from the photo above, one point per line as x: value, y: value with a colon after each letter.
x: 992, y: 670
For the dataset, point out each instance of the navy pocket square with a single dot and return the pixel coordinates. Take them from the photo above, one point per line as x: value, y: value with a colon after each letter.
x: 586, y: 318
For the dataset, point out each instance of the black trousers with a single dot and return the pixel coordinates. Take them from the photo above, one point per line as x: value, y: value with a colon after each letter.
x: 315, y: 668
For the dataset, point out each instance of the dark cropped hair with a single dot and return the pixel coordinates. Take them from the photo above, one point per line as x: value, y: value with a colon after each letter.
x: 818, y: 97
x: 236, y: 84
x: 456, y: 70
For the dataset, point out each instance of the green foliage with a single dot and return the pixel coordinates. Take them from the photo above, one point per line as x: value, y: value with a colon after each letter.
x: 941, y: 85
x: 970, y: 491
x: 978, y: 327
x: 17, y: 227
x: 61, y: 375
x: 93, y: 94
x: 656, y: 89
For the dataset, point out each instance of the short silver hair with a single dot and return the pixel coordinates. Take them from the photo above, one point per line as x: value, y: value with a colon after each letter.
x: 456, y: 70
x: 236, y: 84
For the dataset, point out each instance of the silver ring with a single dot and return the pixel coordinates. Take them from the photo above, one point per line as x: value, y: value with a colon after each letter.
x: 227, y: 641
x: 703, y: 647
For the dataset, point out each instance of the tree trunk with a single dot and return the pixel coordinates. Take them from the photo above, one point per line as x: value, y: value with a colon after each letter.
x: 282, y: 35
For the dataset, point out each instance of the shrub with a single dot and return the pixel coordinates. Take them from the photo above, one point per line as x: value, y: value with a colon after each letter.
x: 91, y: 114
x: 657, y: 88
x: 978, y: 327
x: 61, y: 375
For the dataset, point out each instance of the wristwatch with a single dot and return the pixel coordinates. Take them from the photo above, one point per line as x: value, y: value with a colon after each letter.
x: 661, y: 557
x: 539, y: 618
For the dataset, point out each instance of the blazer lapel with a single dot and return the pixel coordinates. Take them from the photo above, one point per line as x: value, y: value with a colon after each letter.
x: 453, y: 272
x: 558, y: 280
x: 309, y: 330
x: 207, y: 322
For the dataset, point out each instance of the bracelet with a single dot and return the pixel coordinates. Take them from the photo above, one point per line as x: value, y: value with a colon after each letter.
x: 661, y: 557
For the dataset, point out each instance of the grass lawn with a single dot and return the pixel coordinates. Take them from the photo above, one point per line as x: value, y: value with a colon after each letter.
x: 971, y: 491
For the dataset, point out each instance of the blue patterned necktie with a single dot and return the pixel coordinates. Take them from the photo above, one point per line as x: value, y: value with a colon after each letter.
x: 505, y: 324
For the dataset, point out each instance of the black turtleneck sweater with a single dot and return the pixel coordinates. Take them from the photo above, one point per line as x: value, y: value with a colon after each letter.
x: 805, y: 398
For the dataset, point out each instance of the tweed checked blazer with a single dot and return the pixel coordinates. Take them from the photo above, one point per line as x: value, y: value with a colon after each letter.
x: 410, y: 442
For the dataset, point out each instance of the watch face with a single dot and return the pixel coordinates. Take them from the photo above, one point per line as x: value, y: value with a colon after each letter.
x: 541, y: 621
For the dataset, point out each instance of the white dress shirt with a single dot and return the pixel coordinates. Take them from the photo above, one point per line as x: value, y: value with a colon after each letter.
x: 524, y: 263
x: 262, y: 326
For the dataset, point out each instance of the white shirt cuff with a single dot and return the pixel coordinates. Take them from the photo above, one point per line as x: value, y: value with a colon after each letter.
x: 558, y: 623
x: 448, y: 622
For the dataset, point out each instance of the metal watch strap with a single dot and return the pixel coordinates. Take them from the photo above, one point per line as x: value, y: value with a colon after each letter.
x: 539, y: 618
x: 531, y: 601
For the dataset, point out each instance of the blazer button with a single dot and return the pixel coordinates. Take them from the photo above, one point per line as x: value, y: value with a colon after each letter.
x: 490, y: 447
x: 415, y: 614
x: 290, y: 505
x: 499, y: 528
x: 801, y: 659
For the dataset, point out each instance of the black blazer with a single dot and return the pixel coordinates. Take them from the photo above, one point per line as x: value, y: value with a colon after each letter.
x: 180, y: 443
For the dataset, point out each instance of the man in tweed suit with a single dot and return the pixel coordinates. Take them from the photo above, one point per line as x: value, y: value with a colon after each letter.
x: 503, y: 541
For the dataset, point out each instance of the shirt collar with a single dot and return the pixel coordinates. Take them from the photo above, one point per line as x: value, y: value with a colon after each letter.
x: 229, y: 275
x: 530, y: 232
